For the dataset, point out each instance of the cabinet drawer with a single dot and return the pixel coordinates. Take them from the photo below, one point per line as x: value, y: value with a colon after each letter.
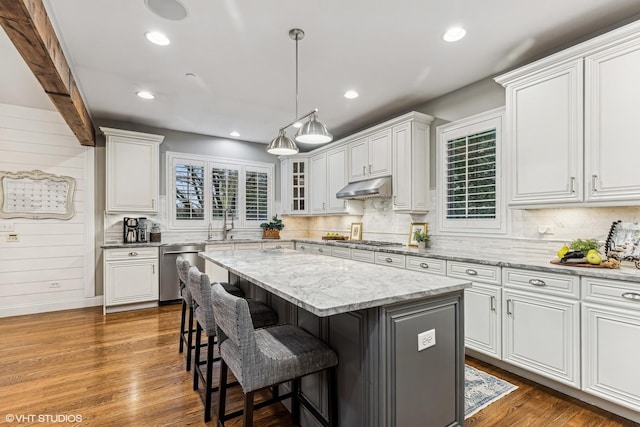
x: 616, y: 292
x: 247, y: 246
x: 541, y: 282
x: 130, y: 253
x: 221, y: 247
x: 341, y: 252
x: 476, y: 272
x: 362, y: 255
x: 393, y: 260
x: 428, y: 265
x: 277, y: 245
x: 320, y: 250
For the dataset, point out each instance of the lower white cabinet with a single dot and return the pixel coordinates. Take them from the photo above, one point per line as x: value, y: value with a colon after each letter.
x: 130, y: 278
x: 542, y: 334
x: 482, y: 322
x: 611, y: 341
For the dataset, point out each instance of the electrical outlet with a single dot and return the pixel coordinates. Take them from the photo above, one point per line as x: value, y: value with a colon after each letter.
x: 6, y: 226
x: 13, y: 237
x: 426, y: 339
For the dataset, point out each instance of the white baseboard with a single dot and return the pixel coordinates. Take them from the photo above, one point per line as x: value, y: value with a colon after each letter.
x: 51, y: 306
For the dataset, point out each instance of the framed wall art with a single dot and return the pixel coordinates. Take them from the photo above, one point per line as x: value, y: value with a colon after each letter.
x: 416, y: 227
x: 356, y: 231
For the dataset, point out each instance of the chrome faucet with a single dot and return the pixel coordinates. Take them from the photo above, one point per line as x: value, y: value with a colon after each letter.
x: 225, y: 226
x: 210, y: 232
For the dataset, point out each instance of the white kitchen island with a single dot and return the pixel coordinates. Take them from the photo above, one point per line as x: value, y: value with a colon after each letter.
x: 371, y: 315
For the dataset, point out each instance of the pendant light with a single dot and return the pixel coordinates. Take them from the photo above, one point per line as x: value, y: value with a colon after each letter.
x: 312, y: 132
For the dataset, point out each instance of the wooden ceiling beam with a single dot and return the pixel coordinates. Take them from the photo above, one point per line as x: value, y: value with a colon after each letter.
x: 28, y: 26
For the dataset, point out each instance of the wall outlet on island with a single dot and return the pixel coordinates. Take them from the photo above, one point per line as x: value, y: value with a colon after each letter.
x: 426, y: 339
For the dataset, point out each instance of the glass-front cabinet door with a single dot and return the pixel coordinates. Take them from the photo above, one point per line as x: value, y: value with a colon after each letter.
x: 298, y: 179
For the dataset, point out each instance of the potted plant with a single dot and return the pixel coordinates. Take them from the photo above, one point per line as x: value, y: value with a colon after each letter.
x: 422, y: 238
x: 271, y: 229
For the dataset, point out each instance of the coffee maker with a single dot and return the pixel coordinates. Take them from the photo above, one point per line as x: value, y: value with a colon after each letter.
x: 142, y: 230
x: 130, y: 229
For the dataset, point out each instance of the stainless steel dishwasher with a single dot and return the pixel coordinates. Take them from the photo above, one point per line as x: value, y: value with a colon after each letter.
x: 169, y: 292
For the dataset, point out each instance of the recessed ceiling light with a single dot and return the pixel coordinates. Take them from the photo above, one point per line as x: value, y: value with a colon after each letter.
x: 158, y: 38
x: 454, y: 34
x: 145, y: 95
x: 234, y: 134
x: 351, y: 94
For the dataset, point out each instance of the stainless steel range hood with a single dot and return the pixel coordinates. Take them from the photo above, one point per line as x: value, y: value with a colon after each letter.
x: 377, y: 187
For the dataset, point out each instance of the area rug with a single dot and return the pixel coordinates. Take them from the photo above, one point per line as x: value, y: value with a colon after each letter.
x: 482, y: 389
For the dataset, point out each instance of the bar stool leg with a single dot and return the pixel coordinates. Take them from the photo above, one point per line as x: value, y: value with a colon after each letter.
x: 248, y: 409
x: 295, y: 400
x: 208, y: 385
x: 196, y: 359
x: 190, y: 339
x: 182, y: 331
x: 222, y: 395
x: 333, y: 397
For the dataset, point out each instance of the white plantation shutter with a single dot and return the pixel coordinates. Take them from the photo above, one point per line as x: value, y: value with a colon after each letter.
x: 470, y: 183
x: 471, y: 176
x: 224, y: 191
x: 189, y: 191
x: 257, y: 196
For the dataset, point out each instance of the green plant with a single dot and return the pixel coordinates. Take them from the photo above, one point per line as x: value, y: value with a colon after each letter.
x: 421, y: 236
x: 584, y: 245
x: 274, y: 224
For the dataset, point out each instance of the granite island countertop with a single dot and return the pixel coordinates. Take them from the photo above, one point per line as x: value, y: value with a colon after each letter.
x: 327, y: 286
x: 512, y: 259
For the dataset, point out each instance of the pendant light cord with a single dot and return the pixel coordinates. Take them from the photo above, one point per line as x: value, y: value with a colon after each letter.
x: 297, y: 35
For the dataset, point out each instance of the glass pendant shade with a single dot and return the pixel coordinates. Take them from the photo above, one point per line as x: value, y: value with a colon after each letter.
x: 282, y: 145
x: 313, y: 132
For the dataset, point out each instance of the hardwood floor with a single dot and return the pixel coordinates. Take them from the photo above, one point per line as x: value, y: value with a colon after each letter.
x: 124, y: 369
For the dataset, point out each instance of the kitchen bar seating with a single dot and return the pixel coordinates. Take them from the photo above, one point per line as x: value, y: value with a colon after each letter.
x: 200, y: 287
x: 267, y: 357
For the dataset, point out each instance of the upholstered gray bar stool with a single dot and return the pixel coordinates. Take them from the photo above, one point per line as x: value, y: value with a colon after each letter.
x: 267, y: 357
x: 186, y: 329
x: 200, y: 286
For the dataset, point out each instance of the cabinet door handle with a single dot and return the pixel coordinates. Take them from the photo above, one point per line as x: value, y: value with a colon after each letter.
x: 594, y: 183
x: 537, y: 282
x: 369, y: 169
x: 572, y: 181
x: 323, y: 206
x: 388, y: 259
x: 364, y: 170
x: 424, y: 265
x: 153, y: 203
x: 471, y: 272
x: 153, y: 268
x: 133, y: 253
x: 633, y: 296
x: 509, y: 307
x: 492, y: 303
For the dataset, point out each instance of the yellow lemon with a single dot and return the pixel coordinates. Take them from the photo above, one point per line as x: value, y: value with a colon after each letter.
x: 563, y: 251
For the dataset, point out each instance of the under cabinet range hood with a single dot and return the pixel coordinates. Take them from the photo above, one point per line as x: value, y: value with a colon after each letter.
x: 377, y: 187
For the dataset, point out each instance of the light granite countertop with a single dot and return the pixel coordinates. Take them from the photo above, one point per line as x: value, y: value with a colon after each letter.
x: 188, y: 243
x: 512, y: 259
x: 325, y: 285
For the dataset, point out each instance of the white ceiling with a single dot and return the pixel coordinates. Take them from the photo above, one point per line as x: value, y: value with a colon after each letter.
x: 390, y: 51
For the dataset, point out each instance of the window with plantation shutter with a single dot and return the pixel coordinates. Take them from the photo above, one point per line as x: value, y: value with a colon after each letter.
x: 204, y: 187
x: 469, y: 176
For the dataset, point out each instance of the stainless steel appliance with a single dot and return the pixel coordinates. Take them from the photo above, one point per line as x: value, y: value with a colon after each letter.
x: 169, y: 292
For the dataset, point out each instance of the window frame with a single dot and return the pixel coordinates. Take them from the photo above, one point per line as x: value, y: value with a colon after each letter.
x: 209, y: 162
x: 492, y: 119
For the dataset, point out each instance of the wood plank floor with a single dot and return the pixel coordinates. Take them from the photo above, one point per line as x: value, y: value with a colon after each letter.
x: 124, y: 369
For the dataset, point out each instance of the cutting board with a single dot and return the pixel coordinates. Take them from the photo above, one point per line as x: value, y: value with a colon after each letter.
x: 567, y: 264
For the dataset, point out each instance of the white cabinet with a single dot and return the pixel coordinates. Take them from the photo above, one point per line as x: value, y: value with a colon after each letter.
x: 130, y: 278
x: 612, y: 91
x: 574, y: 114
x: 370, y: 156
x: 611, y: 340
x: 294, y: 185
x: 482, y: 306
x: 131, y: 171
x: 541, y: 331
x: 410, y: 178
x: 328, y: 176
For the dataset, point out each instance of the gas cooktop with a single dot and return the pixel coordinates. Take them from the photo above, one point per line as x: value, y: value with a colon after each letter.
x: 367, y: 242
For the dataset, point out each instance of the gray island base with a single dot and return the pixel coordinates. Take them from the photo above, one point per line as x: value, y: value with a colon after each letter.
x: 374, y: 317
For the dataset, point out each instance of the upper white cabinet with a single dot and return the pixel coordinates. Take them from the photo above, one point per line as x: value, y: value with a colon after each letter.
x: 571, y: 137
x: 328, y: 176
x: 132, y: 171
x: 410, y: 178
x: 294, y: 185
x: 370, y: 156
